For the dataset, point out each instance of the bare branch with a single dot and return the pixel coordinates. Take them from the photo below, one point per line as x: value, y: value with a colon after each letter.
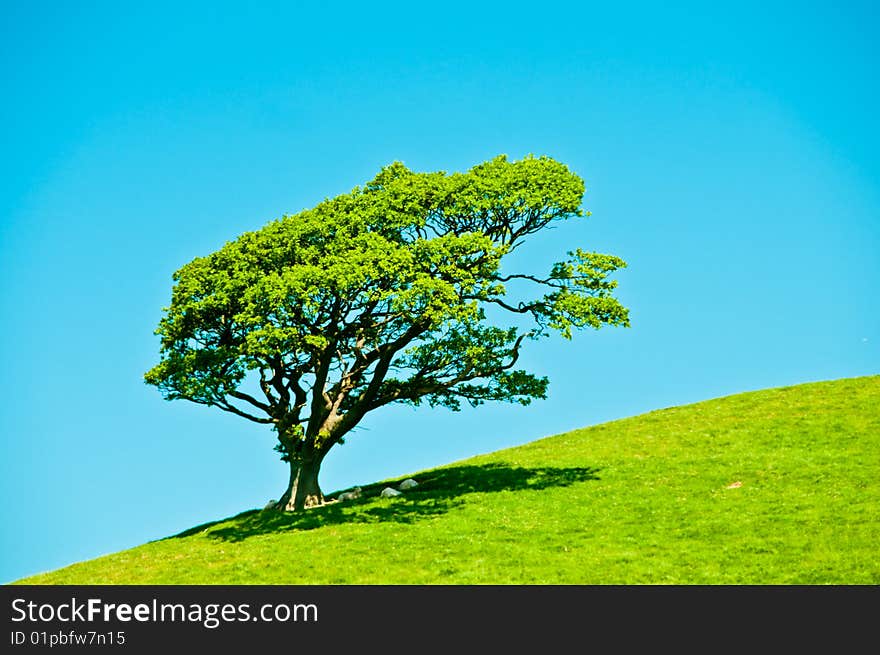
x: 226, y: 406
x: 240, y: 395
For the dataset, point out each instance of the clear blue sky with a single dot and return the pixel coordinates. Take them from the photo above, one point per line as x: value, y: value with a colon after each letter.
x: 731, y: 155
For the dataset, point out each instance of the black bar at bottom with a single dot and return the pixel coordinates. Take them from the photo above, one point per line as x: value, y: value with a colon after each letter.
x: 411, y: 619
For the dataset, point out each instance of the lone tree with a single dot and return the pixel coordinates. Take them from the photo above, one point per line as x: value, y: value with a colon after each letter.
x: 380, y: 296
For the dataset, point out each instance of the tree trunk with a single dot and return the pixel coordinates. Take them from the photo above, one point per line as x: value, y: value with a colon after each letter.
x: 303, y: 490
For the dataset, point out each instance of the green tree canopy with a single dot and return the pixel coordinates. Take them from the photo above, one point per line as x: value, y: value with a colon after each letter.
x: 392, y: 293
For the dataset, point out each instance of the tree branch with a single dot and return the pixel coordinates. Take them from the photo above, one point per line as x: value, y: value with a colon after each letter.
x: 235, y: 410
x: 240, y: 395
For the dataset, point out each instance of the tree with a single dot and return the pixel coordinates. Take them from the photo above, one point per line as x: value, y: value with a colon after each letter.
x: 392, y: 293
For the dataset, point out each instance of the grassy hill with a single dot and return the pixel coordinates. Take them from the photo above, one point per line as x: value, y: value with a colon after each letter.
x: 777, y: 486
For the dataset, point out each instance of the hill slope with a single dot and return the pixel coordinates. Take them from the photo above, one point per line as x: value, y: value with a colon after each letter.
x: 776, y: 486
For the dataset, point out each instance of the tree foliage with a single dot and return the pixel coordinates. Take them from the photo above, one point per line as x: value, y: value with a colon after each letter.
x: 391, y: 293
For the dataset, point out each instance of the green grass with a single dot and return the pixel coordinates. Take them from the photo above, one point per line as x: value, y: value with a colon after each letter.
x: 645, y: 500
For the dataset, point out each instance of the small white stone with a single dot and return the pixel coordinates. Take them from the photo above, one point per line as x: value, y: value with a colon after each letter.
x: 409, y: 483
x: 388, y: 492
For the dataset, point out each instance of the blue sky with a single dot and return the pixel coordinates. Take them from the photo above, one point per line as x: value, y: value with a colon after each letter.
x: 730, y: 156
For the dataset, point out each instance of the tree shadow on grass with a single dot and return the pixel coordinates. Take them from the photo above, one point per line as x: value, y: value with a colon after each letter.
x: 438, y: 492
